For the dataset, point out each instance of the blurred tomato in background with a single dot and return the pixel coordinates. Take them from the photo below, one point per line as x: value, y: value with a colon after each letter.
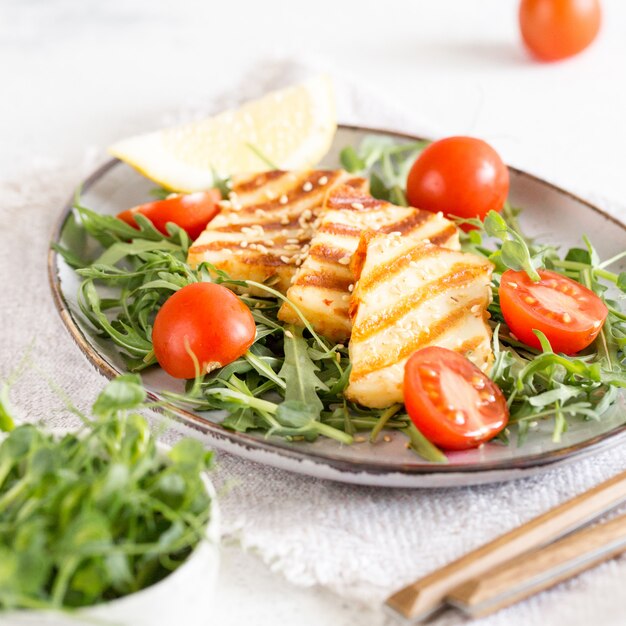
x: 557, y: 29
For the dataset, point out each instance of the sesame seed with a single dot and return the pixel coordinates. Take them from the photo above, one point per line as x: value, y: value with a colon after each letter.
x: 357, y: 205
x: 323, y: 180
x: 307, y: 186
x: 285, y: 259
x: 226, y: 204
x: 269, y: 194
x: 284, y: 220
x: 243, y: 244
x: 269, y: 243
x: 359, y: 439
x: 567, y: 318
x: 351, y: 287
x: 387, y: 438
x: 293, y: 240
x: 289, y: 334
x: 262, y: 249
x: 475, y: 308
x: 292, y: 246
x: 284, y: 199
x: 513, y: 285
x: 345, y: 260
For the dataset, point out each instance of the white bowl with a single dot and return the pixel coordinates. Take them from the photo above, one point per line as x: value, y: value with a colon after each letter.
x: 183, y: 597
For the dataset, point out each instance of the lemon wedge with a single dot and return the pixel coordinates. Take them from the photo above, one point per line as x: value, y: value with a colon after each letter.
x: 292, y: 128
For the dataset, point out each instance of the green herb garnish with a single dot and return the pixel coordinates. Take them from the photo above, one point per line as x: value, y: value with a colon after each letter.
x: 90, y: 516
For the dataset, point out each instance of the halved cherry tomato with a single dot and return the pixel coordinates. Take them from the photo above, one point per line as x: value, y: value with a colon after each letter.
x: 451, y: 401
x: 459, y: 176
x: 557, y: 29
x: 566, y: 312
x: 207, y: 320
x: 192, y: 212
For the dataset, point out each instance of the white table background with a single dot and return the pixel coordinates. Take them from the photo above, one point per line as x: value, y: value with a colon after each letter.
x: 77, y: 74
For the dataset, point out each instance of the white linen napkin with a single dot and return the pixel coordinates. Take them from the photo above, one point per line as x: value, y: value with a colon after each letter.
x: 361, y: 543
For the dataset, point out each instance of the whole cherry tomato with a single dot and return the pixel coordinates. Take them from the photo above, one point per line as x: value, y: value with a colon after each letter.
x: 204, y: 319
x: 460, y: 176
x: 557, y: 29
x: 192, y: 212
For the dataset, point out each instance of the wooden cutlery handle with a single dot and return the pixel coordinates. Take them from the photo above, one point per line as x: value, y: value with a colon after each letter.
x: 541, y: 569
x: 423, y: 597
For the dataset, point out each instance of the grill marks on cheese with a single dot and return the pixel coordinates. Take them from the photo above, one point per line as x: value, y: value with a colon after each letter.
x: 412, y: 294
x: 321, y: 287
x: 265, y: 227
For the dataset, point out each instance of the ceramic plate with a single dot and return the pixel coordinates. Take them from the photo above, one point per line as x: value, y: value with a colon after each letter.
x: 549, y: 212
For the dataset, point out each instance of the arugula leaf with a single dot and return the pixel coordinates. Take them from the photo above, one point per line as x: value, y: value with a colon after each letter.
x: 242, y: 421
x: 350, y: 160
x: 300, y: 372
x: 514, y: 252
x: 296, y: 414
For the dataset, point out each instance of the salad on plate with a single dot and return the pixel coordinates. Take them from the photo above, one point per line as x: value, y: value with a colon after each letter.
x: 398, y: 292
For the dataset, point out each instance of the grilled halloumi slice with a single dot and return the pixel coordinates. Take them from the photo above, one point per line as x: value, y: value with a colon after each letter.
x: 321, y: 287
x: 265, y: 227
x: 409, y: 295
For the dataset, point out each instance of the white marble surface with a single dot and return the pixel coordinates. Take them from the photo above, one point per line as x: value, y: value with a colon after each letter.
x: 77, y: 74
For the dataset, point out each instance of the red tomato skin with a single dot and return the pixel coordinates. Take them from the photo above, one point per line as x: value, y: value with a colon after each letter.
x: 557, y: 29
x: 522, y: 318
x: 459, y: 176
x: 217, y: 326
x: 429, y: 420
x: 192, y: 212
